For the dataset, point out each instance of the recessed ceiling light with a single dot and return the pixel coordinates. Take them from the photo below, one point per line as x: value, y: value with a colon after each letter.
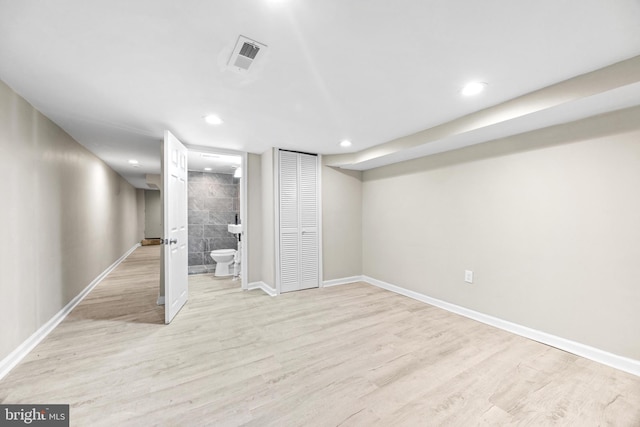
x: 212, y: 119
x: 133, y: 162
x: 473, y: 88
x: 345, y: 143
x: 207, y: 169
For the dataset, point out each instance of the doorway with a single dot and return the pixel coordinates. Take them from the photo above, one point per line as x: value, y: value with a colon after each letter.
x: 216, y: 200
x: 176, y: 157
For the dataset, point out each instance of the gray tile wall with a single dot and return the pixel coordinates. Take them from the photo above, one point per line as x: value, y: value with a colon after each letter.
x: 213, y: 204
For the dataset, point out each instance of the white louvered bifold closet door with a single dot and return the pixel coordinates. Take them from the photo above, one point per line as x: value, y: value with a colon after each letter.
x: 309, y: 221
x: 289, y: 222
x: 299, y: 251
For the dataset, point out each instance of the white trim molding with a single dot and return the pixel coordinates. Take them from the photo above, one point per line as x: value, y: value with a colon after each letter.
x: 622, y: 363
x: 342, y: 281
x: 264, y: 287
x: 16, y: 356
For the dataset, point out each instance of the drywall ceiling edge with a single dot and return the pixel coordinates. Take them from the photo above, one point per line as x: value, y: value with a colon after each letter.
x: 601, y: 87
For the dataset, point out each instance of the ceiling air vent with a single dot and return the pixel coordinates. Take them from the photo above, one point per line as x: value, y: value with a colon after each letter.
x: 245, y: 53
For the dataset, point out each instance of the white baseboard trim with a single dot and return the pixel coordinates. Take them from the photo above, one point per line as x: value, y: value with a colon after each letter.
x: 264, y: 287
x: 622, y: 363
x: 342, y: 281
x: 160, y: 300
x: 10, y: 361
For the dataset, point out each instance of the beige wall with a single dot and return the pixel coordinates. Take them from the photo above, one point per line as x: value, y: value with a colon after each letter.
x: 341, y: 223
x: 268, y: 274
x: 66, y: 217
x: 140, y: 211
x: 152, y: 211
x: 548, y: 221
x: 254, y: 217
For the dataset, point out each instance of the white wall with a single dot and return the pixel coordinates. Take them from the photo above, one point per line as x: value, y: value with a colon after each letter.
x: 66, y: 215
x: 548, y: 221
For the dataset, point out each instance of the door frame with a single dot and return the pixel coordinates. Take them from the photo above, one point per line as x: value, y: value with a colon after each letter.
x: 244, y: 267
x: 276, y: 208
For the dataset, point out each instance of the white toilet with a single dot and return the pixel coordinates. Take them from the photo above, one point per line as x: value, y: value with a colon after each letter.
x: 223, y: 259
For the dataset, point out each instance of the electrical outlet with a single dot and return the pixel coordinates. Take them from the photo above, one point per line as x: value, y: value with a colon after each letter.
x: 468, y: 276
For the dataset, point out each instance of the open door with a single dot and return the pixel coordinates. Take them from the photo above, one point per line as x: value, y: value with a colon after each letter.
x: 174, y: 182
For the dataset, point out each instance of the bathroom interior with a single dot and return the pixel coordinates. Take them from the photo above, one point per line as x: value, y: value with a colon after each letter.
x: 214, y: 214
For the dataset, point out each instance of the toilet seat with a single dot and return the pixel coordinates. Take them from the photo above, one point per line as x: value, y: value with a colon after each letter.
x: 223, y: 252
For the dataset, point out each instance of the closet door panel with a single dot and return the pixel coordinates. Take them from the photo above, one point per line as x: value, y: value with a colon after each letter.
x: 289, y: 222
x: 309, y: 260
x: 309, y: 191
x: 299, y: 221
x: 309, y: 253
x: 289, y: 213
x: 289, y: 262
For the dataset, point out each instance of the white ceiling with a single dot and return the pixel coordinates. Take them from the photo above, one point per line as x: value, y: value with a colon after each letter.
x: 115, y: 74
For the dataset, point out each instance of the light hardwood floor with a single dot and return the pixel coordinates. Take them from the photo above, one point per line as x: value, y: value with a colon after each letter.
x: 351, y: 355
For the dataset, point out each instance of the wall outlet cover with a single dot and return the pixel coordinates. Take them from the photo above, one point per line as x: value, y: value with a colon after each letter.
x: 468, y: 276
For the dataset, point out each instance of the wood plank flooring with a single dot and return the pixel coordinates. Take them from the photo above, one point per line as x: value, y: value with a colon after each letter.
x: 351, y: 355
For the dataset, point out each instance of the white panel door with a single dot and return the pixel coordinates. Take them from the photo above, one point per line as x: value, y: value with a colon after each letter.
x: 175, y: 226
x: 298, y: 209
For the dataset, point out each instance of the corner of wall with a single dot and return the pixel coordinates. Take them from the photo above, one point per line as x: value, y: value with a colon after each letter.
x: 547, y: 220
x: 341, y: 222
